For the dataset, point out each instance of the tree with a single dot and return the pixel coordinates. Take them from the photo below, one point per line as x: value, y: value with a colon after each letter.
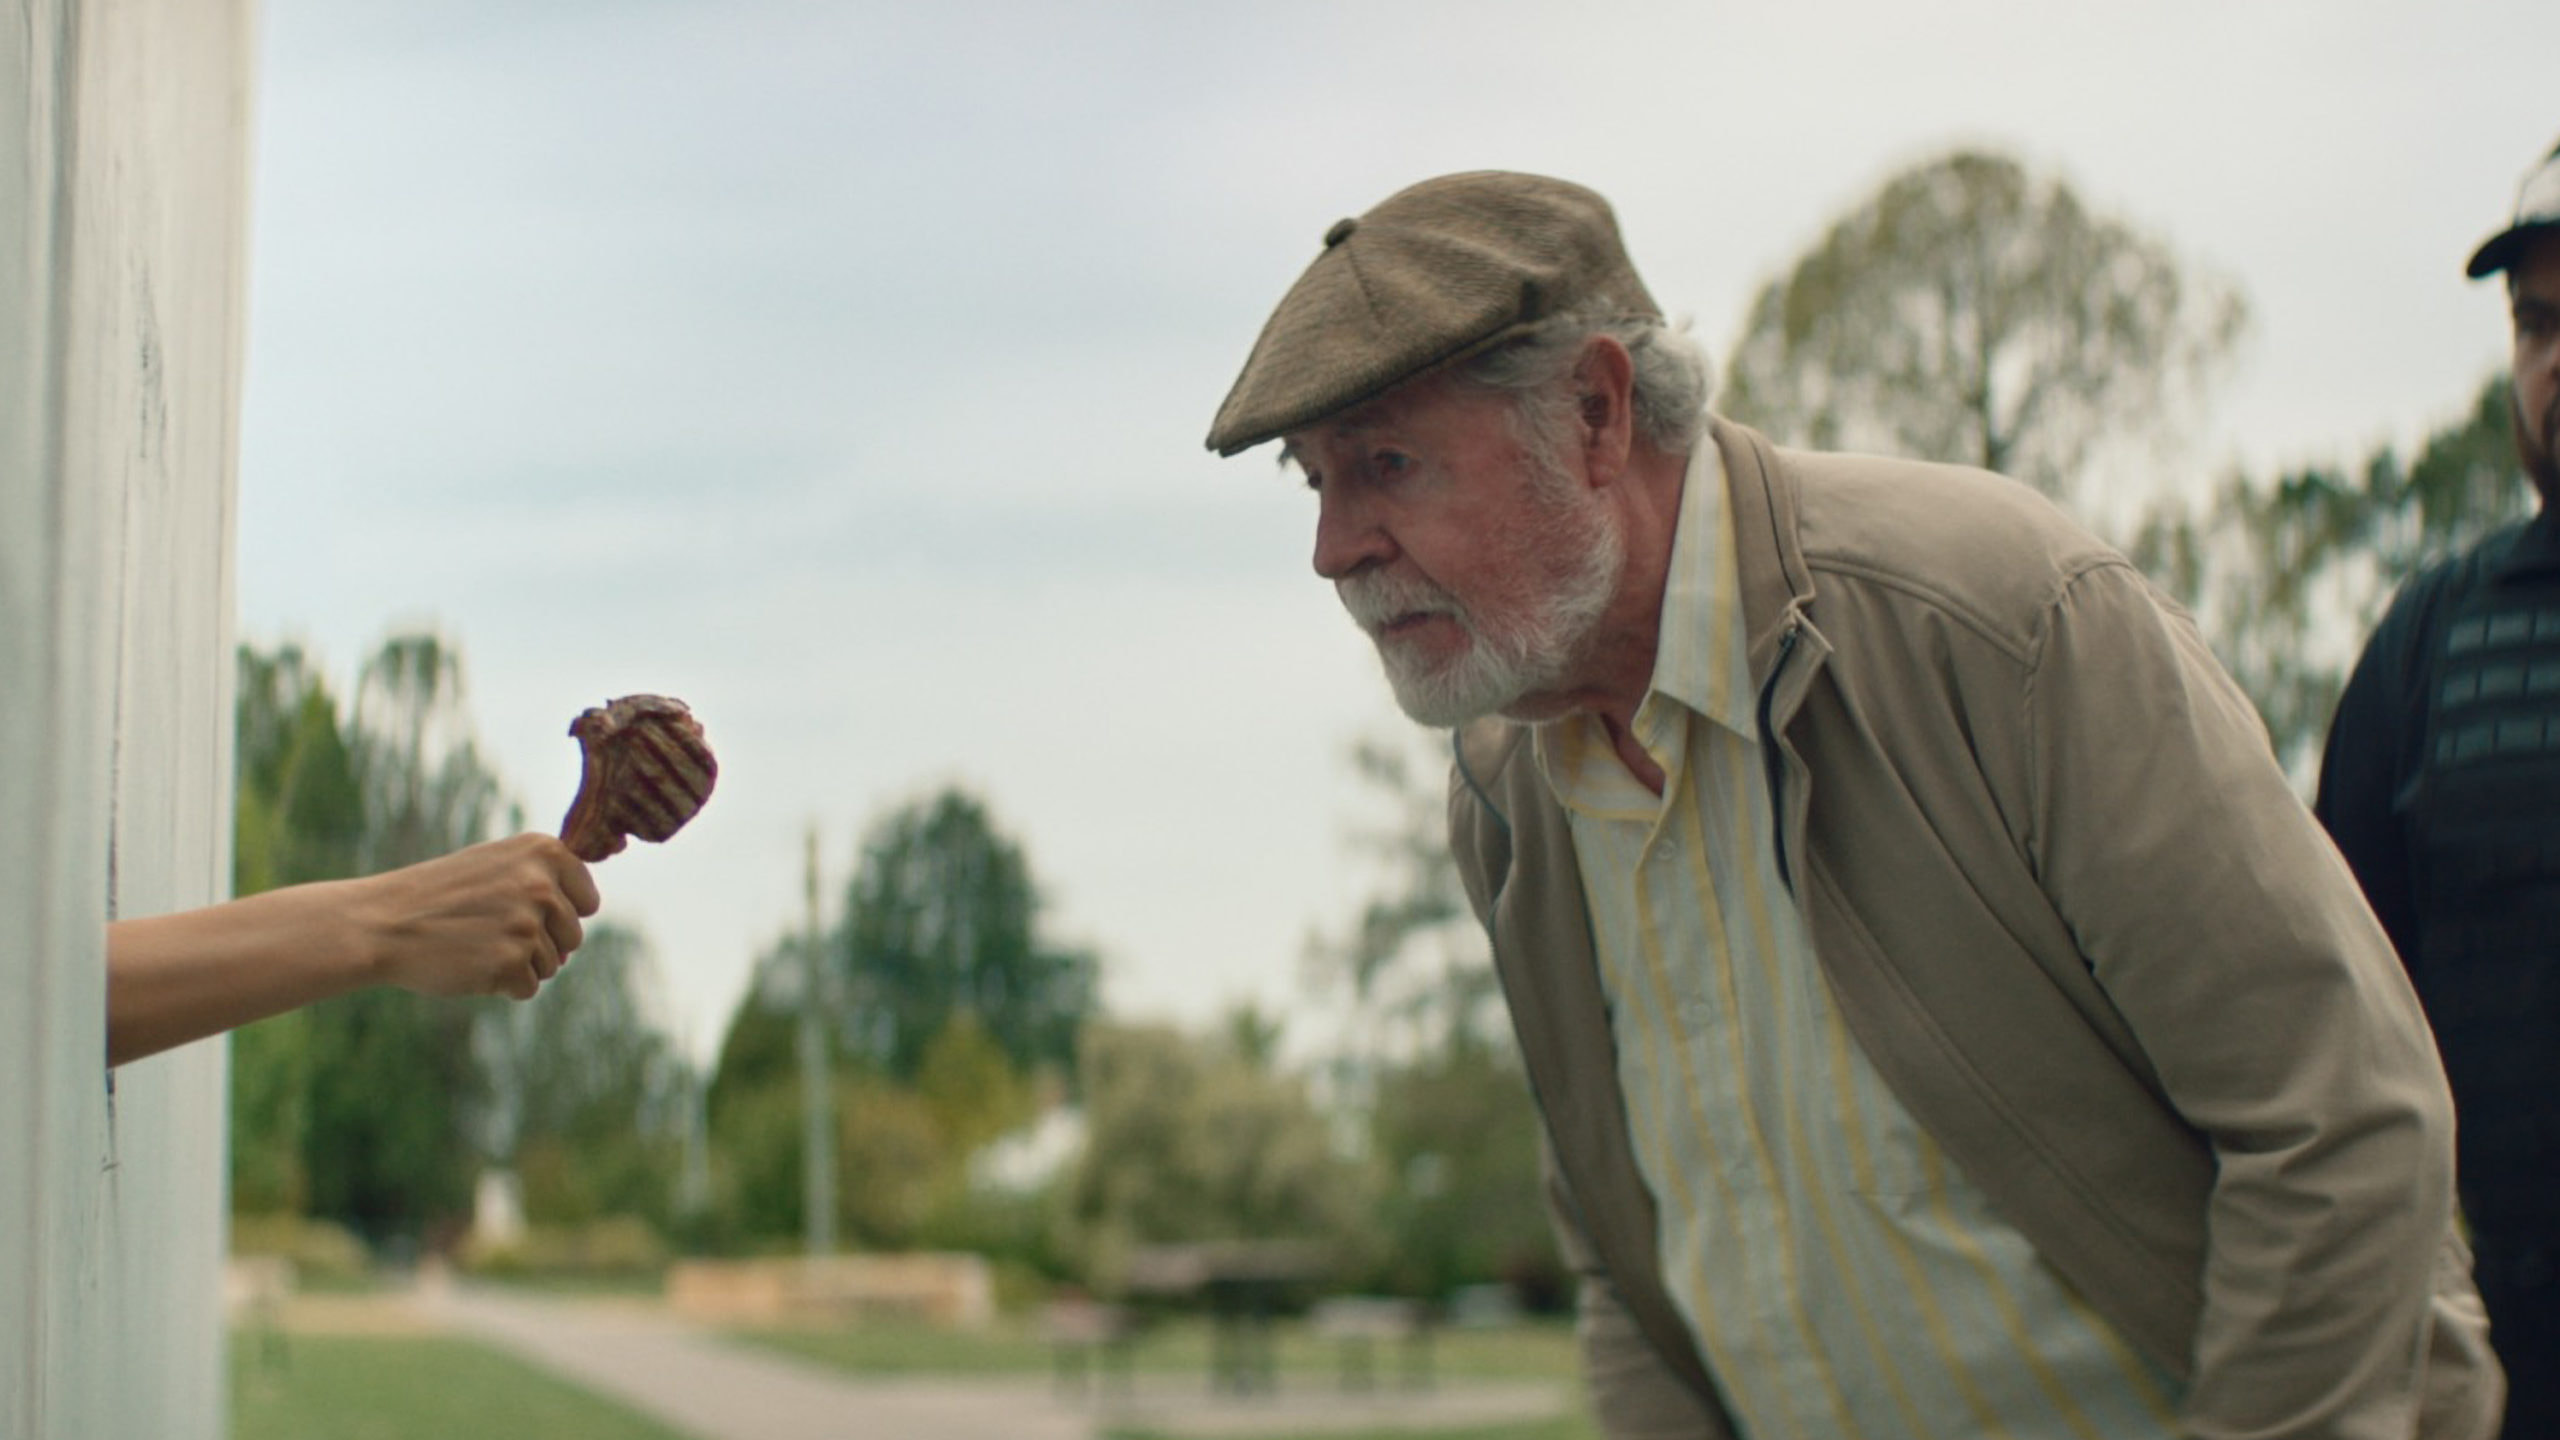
x: 2288, y: 576
x: 949, y: 1006
x: 427, y: 792
x: 396, y: 1083
x: 587, y: 1094
x: 1429, y: 1065
x: 1973, y: 313
x: 941, y: 919
x: 364, y: 1109
x: 1455, y: 1136
x: 1414, y: 959
x: 298, y: 816
x: 1187, y: 1141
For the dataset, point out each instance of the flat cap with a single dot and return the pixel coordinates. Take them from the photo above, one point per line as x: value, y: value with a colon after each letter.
x: 2537, y: 209
x: 1434, y: 273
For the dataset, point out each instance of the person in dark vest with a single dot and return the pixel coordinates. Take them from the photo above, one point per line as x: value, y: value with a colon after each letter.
x: 2441, y: 784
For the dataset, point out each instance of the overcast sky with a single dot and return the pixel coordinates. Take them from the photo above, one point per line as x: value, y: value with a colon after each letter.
x: 843, y: 368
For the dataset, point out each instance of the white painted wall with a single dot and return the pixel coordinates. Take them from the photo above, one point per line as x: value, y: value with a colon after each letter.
x: 123, y: 200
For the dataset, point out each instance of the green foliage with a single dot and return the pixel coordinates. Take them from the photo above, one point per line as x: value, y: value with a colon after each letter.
x: 426, y: 790
x: 1414, y: 959
x: 383, y: 1141
x: 609, y: 1248
x: 941, y: 919
x: 270, y: 1111
x: 1456, y: 1135
x: 969, y: 1087
x: 943, y: 1006
x: 586, y: 1093
x: 895, y: 1162
x: 321, y: 1252
x: 1187, y: 1141
x: 376, y: 1110
x: 1451, y: 1132
x: 2288, y: 577
x: 1974, y: 313
x: 300, y: 812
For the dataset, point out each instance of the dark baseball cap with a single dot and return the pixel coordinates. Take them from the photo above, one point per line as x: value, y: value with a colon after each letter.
x: 1436, y: 272
x: 2537, y: 208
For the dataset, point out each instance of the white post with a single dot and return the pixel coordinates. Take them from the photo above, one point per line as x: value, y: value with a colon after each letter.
x: 122, y: 239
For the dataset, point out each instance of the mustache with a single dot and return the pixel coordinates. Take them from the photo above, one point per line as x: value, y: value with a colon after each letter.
x: 1376, y: 598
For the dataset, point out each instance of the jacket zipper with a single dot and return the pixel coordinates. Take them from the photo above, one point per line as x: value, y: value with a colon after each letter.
x: 1773, y: 760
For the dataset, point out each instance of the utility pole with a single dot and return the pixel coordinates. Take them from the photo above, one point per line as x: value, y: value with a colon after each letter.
x: 817, y: 1088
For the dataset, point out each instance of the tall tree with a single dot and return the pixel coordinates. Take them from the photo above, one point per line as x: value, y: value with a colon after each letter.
x: 427, y: 791
x: 1187, y: 1141
x: 941, y: 919
x: 2288, y: 576
x: 1428, y: 1064
x: 587, y: 1092
x: 1413, y: 959
x: 388, y: 1143
x: 298, y: 816
x: 1972, y: 312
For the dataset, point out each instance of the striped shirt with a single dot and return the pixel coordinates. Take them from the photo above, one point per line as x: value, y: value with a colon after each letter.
x: 1841, y: 1277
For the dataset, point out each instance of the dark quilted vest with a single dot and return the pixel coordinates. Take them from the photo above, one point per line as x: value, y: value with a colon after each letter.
x: 2484, y: 829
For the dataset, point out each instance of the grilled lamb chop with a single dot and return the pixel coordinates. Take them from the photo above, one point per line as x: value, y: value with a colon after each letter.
x: 648, y: 770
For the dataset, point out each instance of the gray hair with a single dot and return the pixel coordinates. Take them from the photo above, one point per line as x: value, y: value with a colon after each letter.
x: 1672, y: 376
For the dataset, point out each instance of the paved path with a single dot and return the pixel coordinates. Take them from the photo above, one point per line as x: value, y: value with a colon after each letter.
x: 716, y: 1389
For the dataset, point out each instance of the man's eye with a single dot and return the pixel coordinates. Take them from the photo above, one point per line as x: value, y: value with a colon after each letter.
x: 1391, y: 463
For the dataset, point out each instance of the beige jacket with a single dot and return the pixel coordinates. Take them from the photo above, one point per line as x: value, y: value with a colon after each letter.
x: 2077, y: 919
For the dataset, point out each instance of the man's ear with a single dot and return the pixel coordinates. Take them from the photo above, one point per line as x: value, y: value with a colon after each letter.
x: 1604, y: 390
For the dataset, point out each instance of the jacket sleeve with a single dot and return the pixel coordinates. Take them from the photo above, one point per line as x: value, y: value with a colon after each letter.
x: 2225, y: 929
x: 1632, y: 1393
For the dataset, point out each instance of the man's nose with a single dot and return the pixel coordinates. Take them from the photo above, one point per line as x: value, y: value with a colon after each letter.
x: 1347, y: 539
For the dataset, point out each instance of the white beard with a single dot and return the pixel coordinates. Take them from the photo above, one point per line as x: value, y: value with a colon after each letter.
x: 1505, y: 658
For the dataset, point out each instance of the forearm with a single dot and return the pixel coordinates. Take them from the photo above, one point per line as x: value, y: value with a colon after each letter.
x: 176, y: 978
x: 494, y: 919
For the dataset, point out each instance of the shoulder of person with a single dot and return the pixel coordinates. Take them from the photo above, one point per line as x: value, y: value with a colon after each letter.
x: 1989, y: 550
x: 2446, y: 578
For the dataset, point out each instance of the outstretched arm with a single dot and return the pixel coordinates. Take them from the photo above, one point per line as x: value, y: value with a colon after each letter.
x: 493, y: 919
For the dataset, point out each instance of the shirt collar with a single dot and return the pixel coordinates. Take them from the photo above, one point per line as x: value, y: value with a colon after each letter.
x: 1702, y: 657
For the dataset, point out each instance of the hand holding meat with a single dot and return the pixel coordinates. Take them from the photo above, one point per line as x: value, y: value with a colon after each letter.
x: 493, y: 919
x: 648, y: 770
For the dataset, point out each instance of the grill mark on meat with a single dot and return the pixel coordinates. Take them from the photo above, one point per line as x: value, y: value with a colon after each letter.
x: 648, y: 770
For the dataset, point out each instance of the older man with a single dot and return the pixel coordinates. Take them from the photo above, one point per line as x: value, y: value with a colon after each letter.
x: 2442, y: 786
x: 1946, y: 1020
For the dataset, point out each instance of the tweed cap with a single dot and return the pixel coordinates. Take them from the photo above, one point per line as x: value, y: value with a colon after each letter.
x: 2537, y: 208
x: 1434, y: 273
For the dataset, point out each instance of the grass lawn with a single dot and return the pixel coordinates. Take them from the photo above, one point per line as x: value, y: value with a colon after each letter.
x: 1014, y: 1347
x: 411, y: 1387
x: 1576, y: 1426
x: 1528, y: 1352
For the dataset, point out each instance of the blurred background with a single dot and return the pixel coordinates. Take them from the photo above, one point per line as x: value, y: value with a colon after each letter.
x: 1073, y: 893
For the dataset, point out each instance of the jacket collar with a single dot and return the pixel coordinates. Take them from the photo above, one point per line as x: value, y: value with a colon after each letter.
x: 1768, y: 551
x: 2536, y: 550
